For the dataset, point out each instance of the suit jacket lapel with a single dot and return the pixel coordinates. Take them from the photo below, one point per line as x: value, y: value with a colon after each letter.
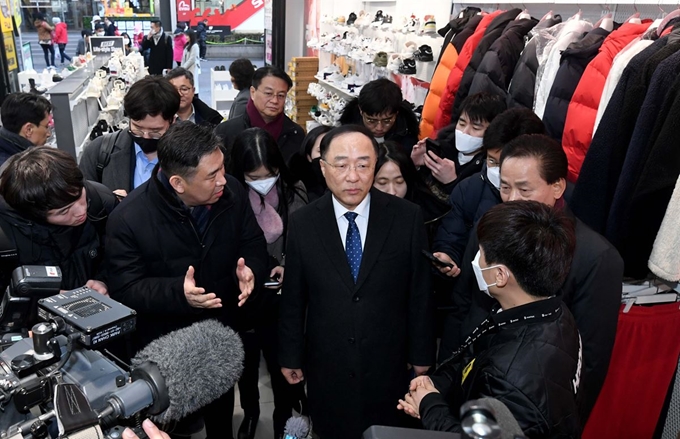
x: 327, y: 229
x: 379, y: 225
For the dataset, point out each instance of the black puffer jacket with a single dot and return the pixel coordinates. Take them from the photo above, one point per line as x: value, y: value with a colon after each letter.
x: 78, y: 251
x: 498, y: 65
x: 522, y: 87
x: 456, y: 26
x: 530, y: 363
x: 491, y: 34
x: 289, y: 141
x: 10, y: 144
x: 470, y: 199
x: 573, y: 62
x: 404, y: 131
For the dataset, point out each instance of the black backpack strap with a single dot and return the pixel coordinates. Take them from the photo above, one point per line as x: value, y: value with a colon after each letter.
x: 105, y: 150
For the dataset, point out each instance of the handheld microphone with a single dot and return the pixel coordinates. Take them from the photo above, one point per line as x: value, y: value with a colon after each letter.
x: 180, y: 372
x: 296, y: 427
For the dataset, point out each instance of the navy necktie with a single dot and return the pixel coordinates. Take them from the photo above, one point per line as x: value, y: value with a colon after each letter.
x: 353, y: 245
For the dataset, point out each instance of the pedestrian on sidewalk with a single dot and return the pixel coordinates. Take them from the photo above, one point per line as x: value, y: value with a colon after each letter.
x: 45, y: 38
x: 61, y: 38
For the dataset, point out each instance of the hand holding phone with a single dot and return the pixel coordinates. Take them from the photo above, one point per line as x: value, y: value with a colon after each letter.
x: 433, y: 146
x: 436, y: 261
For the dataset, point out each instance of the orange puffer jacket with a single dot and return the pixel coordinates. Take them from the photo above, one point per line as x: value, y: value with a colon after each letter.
x: 453, y: 82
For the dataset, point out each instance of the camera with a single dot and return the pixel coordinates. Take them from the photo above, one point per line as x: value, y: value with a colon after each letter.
x: 59, y: 356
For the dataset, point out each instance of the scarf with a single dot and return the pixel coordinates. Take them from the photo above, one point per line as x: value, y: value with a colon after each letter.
x: 157, y: 36
x: 275, y: 127
x: 266, y: 215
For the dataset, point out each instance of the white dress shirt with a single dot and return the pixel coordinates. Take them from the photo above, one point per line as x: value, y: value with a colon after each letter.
x: 361, y: 210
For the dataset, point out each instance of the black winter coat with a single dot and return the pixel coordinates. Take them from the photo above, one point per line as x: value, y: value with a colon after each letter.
x: 205, y: 115
x: 11, y: 143
x: 160, y: 55
x: 404, y: 131
x: 152, y: 241
x: 309, y: 173
x: 491, y: 34
x: 592, y: 292
x: 530, y: 364
x: 201, y: 32
x: 659, y: 167
x: 602, y: 166
x: 522, y: 87
x: 461, y: 37
x: 470, y: 199
x: 78, y: 251
x: 573, y: 63
x: 456, y: 26
x: 289, y: 141
x: 498, y: 65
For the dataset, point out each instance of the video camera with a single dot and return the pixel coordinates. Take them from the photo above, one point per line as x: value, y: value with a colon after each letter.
x: 33, y: 370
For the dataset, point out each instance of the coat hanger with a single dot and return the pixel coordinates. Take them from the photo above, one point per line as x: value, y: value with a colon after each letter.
x: 607, y: 21
x: 666, y: 19
x: 524, y: 15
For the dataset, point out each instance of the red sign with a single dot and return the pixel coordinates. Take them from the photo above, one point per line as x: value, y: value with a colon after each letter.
x: 233, y: 15
x: 183, y: 10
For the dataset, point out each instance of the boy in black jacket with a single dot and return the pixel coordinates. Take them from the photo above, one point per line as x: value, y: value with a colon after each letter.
x: 527, y: 353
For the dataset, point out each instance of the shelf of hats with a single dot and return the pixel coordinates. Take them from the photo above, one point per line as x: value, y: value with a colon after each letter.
x: 376, y: 39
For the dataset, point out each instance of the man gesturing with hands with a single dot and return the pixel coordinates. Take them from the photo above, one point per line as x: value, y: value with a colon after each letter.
x: 185, y: 246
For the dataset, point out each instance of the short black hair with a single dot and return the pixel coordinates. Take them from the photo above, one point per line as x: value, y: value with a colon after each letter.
x: 310, y: 139
x: 380, y: 96
x: 40, y: 179
x: 510, y: 124
x: 157, y: 23
x: 178, y: 72
x: 85, y: 33
x: 152, y: 96
x: 263, y: 72
x: 481, y: 107
x: 535, y: 242
x: 99, y: 26
x: 346, y: 129
x: 18, y: 109
x: 183, y: 146
x: 242, y: 70
x: 550, y: 156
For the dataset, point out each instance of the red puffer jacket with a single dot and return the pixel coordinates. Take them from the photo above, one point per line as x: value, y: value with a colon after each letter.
x: 452, y: 84
x: 60, y: 33
x: 582, y: 112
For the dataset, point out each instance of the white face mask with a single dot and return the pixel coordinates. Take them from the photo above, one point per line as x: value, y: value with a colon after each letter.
x: 126, y: 41
x: 467, y: 144
x: 483, y: 286
x: 100, y: 34
x: 464, y: 159
x: 263, y: 187
x: 494, y: 176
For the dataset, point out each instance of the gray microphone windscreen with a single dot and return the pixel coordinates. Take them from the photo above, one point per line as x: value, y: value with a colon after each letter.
x: 297, y: 426
x: 504, y: 418
x: 199, y: 363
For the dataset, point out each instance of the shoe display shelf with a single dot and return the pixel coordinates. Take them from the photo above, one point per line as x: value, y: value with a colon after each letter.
x: 223, y: 91
x: 302, y: 71
x: 74, y: 113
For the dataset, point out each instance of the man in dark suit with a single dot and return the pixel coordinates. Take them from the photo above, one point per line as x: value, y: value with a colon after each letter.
x: 357, y: 304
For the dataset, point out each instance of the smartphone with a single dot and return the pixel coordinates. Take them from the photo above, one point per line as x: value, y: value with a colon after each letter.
x: 272, y: 283
x: 435, y: 260
x: 434, y: 146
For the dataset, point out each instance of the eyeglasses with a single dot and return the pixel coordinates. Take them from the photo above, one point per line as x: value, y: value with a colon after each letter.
x: 271, y: 96
x: 184, y: 89
x: 344, y: 168
x: 153, y: 134
x: 47, y: 127
x: 369, y: 121
x: 491, y: 162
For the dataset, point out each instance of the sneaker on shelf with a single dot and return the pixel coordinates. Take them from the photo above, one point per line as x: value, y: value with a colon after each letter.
x: 378, y: 20
x: 394, y: 62
x: 430, y: 25
x: 424, y: 53
x: 380, y: 59
x: 336, y: 78
x: 341, y: 20
x: 364, y: 19
x: 387, y: 22
x: 413, y: 24
x: 408, y: 67
x: 409, y: 49
x: 351, y: 19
